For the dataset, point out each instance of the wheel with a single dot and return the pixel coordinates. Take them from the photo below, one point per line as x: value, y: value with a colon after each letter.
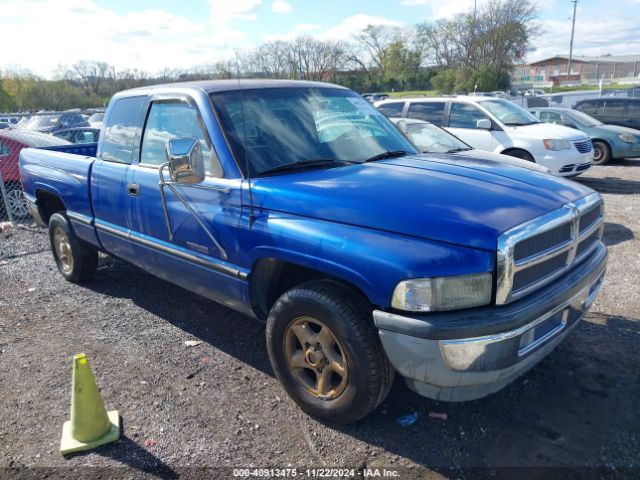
x: 76, y: 260
x: 522, y: 155
x: 601, y: 153
x: 325, y: 351
x: 15, y: 201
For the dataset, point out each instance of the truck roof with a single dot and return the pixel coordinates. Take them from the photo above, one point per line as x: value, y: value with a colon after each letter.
x: 210, y: 86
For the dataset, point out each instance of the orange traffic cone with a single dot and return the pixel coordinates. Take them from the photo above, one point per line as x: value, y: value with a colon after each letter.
x: 90, y: 425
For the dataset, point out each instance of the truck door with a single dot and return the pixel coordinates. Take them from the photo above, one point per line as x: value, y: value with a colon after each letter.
x: 193, y: 243
x: 111, y: 203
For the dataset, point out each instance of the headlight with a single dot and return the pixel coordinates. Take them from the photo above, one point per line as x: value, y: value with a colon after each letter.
x: 443, y: 293
x: 627, y: 137
x: 554, y: 144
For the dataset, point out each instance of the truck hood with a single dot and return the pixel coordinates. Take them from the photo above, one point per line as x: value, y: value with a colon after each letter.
x: 466, y: 201
x: 541, y: 131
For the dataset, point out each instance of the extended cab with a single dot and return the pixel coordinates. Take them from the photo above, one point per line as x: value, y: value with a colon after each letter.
x: 300, y: 204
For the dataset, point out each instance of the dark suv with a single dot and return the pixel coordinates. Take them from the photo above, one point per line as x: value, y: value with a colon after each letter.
x: 614, y: 111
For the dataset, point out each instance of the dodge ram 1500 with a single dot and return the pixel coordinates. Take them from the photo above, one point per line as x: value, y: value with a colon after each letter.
x: 300, y: 204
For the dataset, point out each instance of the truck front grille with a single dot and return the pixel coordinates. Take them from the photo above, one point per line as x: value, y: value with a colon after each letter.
x: 533, y: 254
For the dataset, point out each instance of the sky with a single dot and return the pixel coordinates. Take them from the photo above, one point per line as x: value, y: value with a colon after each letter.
x: 154, y: 34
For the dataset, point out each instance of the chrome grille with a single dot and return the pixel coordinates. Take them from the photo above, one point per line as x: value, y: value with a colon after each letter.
x: 533, y: 254
x: 584, y: 146
x: 542, y: 242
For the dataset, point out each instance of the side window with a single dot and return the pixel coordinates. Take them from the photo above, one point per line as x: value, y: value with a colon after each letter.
x: 427, y: 111
x: 169, y: 120
x: 392, y: 109
x: 633, y: 110
x: 4, y: 150
x: 613, y: 108
x: 590, y: 107
x: 551, y: 117
x: 464, y: 115
x: 120, y: 130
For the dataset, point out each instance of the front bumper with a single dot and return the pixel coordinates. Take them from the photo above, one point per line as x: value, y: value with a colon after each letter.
x: 620, y: 149
x: 565, y: 163
x: 458, y: 356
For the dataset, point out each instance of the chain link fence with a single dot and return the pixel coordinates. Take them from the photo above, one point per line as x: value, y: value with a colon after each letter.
x: 42, y: 129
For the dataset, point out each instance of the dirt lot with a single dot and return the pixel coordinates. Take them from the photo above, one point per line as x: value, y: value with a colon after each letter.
x: 218, y: 404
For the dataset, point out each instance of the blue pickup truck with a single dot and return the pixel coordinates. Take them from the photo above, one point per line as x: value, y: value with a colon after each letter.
x: 301, y: 205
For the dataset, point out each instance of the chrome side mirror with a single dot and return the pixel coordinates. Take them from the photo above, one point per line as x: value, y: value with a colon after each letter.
x: 184, y: 156
x: 484, y: 124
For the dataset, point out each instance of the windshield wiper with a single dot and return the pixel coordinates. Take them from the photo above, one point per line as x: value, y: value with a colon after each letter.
x: 520, y: 124
x: 315, y: 162
x: 389, y: 154
x: 459, y: 149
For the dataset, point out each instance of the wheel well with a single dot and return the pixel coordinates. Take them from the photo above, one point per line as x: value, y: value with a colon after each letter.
x: 509, y: 151
x: 270, y: 278
x: 48, y: 204
x: 601, y: 140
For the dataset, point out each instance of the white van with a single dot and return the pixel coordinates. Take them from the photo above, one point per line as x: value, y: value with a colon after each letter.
x: 500, y: 126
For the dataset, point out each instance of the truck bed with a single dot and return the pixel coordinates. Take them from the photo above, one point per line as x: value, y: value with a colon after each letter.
x: 62, y: 170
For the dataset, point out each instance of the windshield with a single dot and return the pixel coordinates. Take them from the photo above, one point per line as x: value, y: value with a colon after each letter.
x: 509, y: 113
x: 432, y: 139
x: 274, y: 127
x: 583, y: 119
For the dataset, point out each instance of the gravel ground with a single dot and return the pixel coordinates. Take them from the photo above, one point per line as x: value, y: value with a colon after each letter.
x: 218, y: 405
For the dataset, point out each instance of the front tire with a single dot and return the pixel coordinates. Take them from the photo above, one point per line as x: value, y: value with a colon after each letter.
x: 601, y: 153
x: 521, y: 154
x: 325, y: 351
x: 76, y: 260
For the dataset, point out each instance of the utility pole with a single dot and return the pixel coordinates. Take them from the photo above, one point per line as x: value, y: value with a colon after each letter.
x: 573, y: 27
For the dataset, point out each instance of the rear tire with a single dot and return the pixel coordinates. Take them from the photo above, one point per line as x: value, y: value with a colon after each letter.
x: 76, y: 260
x: 601, y: 153
x: 323, y: 330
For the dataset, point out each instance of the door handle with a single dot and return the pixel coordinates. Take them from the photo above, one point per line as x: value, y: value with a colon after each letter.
x: 133, y: 189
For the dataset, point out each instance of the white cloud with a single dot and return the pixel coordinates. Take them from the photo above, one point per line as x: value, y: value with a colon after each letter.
x: 307, y: 27
x: 354, y: 24
x: 280, y: 6
x: 71, y: 30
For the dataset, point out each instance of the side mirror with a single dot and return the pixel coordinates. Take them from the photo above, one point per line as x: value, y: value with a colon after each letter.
x: 184, y: 156
x: 484, y: 124
x: 402, y: 126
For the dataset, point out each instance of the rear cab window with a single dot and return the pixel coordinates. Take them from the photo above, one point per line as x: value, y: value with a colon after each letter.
x: 428, y: 111
x: 123, y: 123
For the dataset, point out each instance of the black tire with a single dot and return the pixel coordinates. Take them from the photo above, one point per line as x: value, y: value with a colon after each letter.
x: 348, y: 316
x: 521, y: 154
x: 76, y: 260
x: 601, y: 153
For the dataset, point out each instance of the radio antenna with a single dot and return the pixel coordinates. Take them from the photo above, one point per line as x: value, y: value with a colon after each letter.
x: 244, y: 142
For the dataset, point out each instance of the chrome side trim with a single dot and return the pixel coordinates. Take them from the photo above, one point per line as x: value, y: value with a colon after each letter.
x: 80, y: 218
x: 569, y: 213
x: 234, y: 272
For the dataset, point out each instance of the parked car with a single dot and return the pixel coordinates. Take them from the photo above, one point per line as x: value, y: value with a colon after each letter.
x: 52, y: 122
x: 613, y: 111
x: 9, y: 121
x: 609, y: 141
x: 500, y: 126
x: 12, y: 141
x: 95, y: 120
x: 362, y: 255
x: 429, y: 138
x: 374, y: 97
x: 79, y: 134
x: 534, y: 92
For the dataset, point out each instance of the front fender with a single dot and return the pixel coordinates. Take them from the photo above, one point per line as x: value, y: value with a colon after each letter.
x: 372, y: 260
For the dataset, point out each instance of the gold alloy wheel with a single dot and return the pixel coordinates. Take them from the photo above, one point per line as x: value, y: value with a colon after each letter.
x: 315, y: 358
x: 62, y: 247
